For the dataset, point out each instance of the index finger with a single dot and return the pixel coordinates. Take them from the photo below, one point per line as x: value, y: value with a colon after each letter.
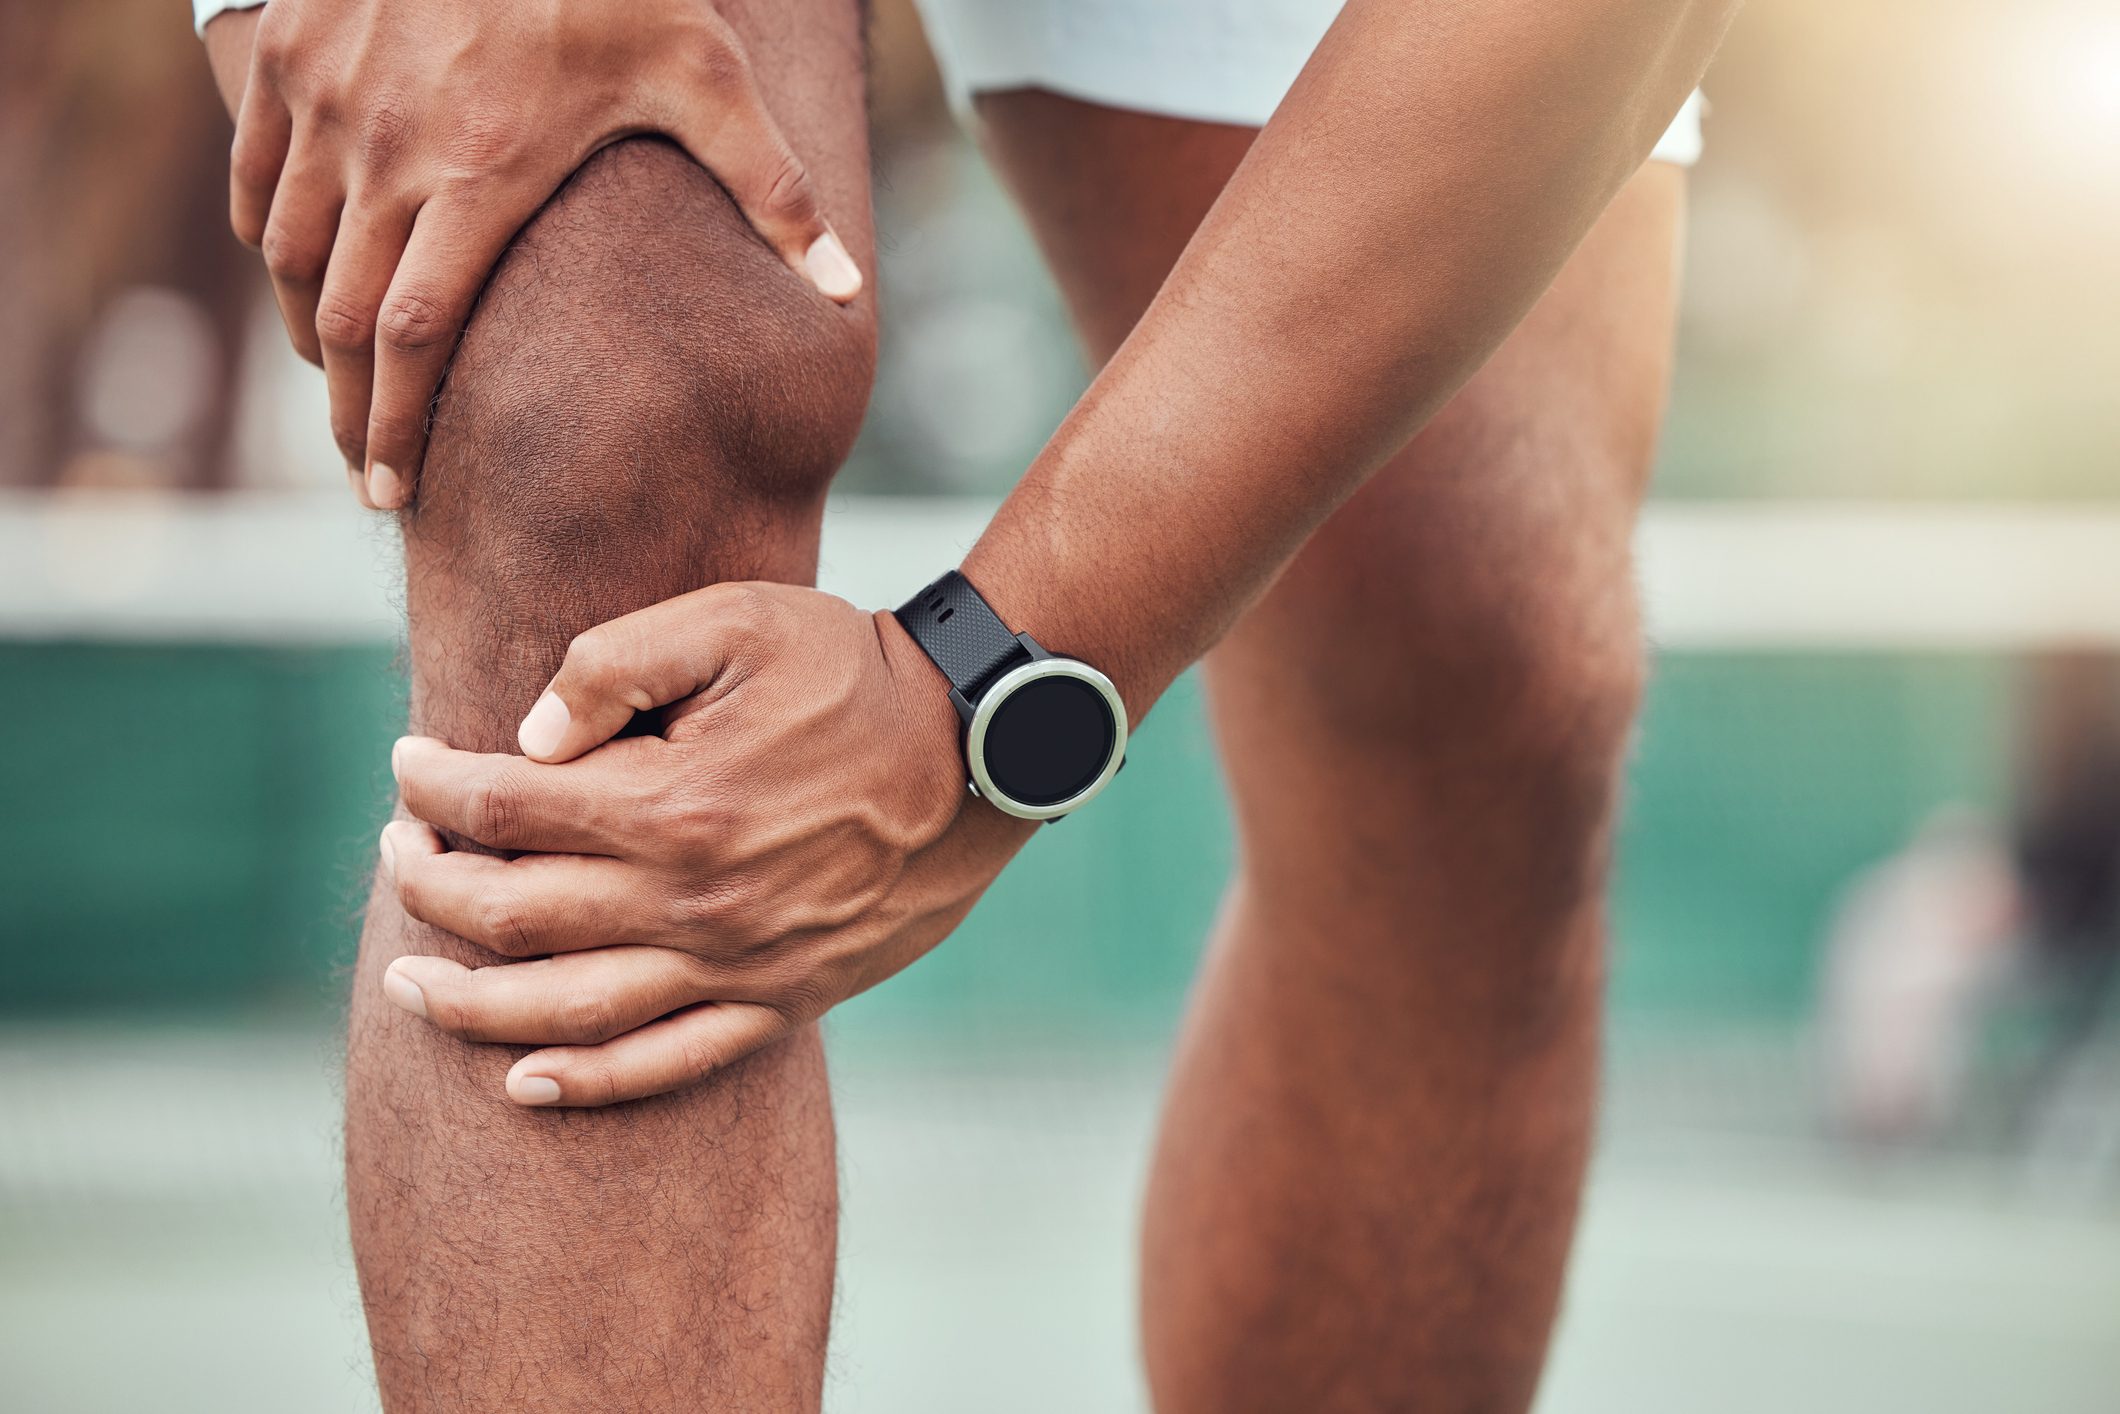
x: 451, y: 251
x: 635, y: 663
x: 506, y: 802
x: 264, y: 132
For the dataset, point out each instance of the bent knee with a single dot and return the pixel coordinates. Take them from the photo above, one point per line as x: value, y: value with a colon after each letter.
x: 1543, y: 679
x: 1530, y: 731
x: 640, y: 348
x: 1485, y: 770
x: 1508, y: 712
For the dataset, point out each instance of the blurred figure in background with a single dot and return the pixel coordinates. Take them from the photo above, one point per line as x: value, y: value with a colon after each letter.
x: 1915, y: 947
x: 2068, y: 834
x: 1930, y: 946
x: 2068, y: 855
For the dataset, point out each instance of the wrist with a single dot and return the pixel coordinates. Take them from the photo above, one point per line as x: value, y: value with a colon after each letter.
x: 1042, y: 581
x: 1043, y: 732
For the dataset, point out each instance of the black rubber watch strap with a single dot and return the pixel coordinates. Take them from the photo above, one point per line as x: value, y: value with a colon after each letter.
x: 954, y: 626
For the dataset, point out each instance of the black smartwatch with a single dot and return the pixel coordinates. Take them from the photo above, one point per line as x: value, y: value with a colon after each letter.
x: 1042, y: 733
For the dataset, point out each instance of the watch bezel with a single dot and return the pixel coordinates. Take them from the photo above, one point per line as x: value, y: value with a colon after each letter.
x: 1005, y: 687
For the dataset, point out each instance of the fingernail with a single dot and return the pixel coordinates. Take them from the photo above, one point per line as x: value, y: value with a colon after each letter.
x: 540, y: 733
x: 831, y: 269
x: 388, y: 850
x: 533, y: 1089
x: 402, y: 992
x: 397, y: 754
x: 360, y: 486
x: 385, y: 487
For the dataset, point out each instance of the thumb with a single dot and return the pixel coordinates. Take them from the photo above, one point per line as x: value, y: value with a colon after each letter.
x: 646, y: 660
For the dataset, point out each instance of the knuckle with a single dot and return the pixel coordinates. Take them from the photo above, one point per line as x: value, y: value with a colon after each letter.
x: 591, y: 655
x: 290, y: 257
x: 695, y: 817
x: 272, y: 46
x: 351, y: 440
x: 248, y: 228
x: 586, y: 1017
x: 481, y: 144
x: 251, y: 164
x: 412, y: 321
x: 711, y: 911
x: 719, y: 63
x: 326, y: 108
x: 700, y: 1055
x: 503, y: 924
x: 412, y: 894
x: 343, y: 324
x: 596, y: 1082
x: 789, y: 197
x: 493, y: 810
x: 743, y: 611
x: 382, y: 131
x: 801, y: 995
x: 700, y: 975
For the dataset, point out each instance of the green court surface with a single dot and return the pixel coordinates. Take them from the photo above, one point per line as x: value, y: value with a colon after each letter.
x: 192, y: 825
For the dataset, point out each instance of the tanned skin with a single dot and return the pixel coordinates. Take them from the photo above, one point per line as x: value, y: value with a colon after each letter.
x: 387, y: 151
x: 1367, y: 1172
x: 1374, y: 246
x: 646, y: 401
x: 1413, y: 1129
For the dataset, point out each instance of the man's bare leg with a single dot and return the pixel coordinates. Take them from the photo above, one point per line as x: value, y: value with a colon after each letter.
x: 645, y: 402
x: 1368, y: 1172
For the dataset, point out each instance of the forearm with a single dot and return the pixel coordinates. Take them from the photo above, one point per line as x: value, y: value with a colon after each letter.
x: 1379, y: 241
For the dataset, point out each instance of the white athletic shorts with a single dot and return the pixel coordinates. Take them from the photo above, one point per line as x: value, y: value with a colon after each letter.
x: 1215, y: 61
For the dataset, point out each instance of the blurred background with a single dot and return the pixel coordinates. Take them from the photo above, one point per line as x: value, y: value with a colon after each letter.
x: 1863, y: 1138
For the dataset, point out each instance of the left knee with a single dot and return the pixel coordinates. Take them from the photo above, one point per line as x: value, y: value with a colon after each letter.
x: 644, y: 395
x: 1525, y: 742
x: 1526, y: 704
x: 1542, y: 703
x: 1484, y: 732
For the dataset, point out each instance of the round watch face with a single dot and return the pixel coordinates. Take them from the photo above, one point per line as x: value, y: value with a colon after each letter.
x: 1046, y: 736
